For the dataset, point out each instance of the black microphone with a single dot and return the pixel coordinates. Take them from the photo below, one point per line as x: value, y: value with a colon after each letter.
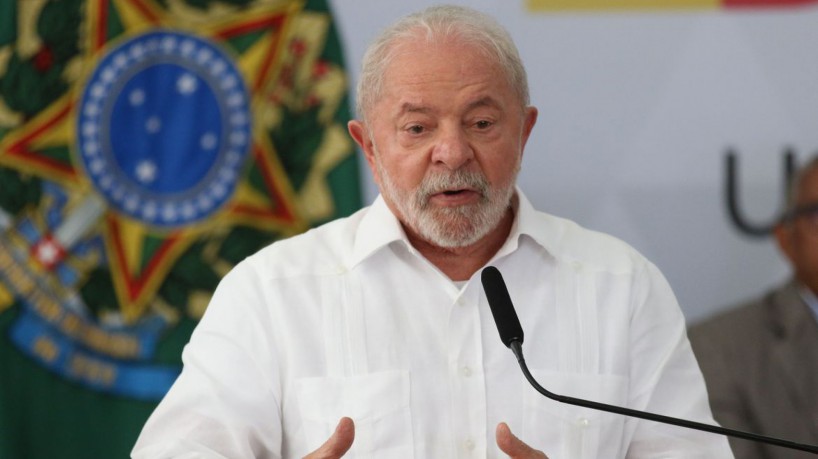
x: 511, y: 333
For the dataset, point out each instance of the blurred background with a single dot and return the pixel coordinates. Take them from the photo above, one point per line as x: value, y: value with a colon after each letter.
x: 147, y: 146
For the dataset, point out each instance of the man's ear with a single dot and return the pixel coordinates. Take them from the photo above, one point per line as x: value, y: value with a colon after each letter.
x: 358, y: 132
x: 529, y: 120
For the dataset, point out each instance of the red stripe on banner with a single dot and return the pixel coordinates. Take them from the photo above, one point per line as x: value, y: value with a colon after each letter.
x: 279, y: 208
x: 252, y: 26
x: 146, y: 11
x: 22, y: 148
x: 102, y: 25
x: 135, y: 283
x: 272, y: 24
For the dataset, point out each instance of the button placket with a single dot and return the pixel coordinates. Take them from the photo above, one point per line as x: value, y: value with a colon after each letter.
x: 468, y: 388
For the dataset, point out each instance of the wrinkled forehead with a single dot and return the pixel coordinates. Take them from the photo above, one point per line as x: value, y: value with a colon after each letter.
x: 452, y: 61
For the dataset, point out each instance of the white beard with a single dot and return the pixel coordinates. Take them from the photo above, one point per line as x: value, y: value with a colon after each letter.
x: 449, y: 227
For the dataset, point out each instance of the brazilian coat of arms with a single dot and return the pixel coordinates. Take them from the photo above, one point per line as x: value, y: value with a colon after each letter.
x: 146, y: 147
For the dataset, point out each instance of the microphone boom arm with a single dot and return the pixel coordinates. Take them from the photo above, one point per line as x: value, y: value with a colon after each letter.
x: 517, y: 347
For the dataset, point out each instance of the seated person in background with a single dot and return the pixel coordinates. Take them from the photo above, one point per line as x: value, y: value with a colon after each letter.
x: 380, y: 319
x: 760, y: 360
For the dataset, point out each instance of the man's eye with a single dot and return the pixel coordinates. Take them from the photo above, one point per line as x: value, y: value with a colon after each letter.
x: 483, y: 124
x: 415, y: 129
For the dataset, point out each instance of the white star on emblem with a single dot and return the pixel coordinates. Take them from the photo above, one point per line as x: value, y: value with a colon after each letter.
x: 169, y: 213
x: 217, y: 67
x: 188, y: 211
x: 186, y: 84
x: 136, y: 97
x: 131, y: 203
x: 120, y: 60
x: 137, y: 51
x: 204, y: 56
x: 208, y: 141
x: 108, y: 75
x: 168, y: 44
x: 146, y: 171
x: 97, y: 166
x: 153, y: 124
x: 89, y: 129
x: 91, y: 110
x: 149, y: 210
x: 97, y: 91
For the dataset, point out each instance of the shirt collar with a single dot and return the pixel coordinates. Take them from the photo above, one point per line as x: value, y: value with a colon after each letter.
x: 379, y: 228
x: 527, y: 223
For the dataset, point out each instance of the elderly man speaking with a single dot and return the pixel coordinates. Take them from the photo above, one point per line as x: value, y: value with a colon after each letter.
x: 370, y: 336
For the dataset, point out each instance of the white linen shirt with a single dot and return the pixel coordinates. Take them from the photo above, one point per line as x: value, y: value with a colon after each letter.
x: 349, y: 319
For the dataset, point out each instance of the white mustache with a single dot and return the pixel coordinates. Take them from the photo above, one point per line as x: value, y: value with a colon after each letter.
x: 457, y: 180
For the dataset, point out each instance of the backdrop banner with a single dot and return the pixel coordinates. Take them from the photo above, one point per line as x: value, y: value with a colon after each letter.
x: 146, y: 147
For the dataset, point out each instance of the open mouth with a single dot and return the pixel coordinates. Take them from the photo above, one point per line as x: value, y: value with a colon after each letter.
x: 458, y: 196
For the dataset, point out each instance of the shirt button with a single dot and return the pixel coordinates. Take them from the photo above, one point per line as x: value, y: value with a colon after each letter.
x: 583, y: 422
x: 461, y: 302
x: 465, y: 371
x: 468, y: 444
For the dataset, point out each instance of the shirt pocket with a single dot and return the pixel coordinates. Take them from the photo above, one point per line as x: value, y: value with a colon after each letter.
x: 570, y: 431
x: 377, y: 402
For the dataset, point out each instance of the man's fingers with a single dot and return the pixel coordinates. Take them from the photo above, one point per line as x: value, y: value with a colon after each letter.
x: 338, y: 444
x: 513, y: 446
x: 341, y: 440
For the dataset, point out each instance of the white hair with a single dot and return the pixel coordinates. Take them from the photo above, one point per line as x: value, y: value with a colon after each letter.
x: 437, y: 23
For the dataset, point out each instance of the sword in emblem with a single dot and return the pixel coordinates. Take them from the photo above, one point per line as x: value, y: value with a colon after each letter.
x: 53, y: 247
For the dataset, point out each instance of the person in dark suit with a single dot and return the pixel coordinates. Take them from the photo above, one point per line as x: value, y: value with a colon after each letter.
x: 760, y: 359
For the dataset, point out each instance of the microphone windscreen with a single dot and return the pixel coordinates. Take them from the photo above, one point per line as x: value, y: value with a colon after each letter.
x: 501, y: 307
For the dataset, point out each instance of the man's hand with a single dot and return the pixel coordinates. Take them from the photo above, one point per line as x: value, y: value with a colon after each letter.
x: 338, y: 444
x: 513, y: 446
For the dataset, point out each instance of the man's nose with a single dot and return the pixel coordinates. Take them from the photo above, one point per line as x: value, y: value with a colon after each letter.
x: 452, y: 148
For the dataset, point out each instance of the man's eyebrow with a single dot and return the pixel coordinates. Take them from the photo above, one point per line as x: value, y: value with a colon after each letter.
x: 409, y: 107
x: 486, y: 101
